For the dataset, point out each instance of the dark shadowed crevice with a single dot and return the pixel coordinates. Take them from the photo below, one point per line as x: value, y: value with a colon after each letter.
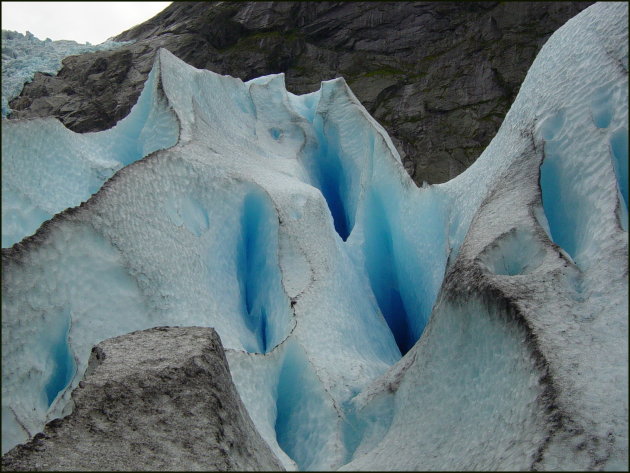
x: 304, y: 418
x: 554, y: 185
x: 252, y: 268
x: 288, y: 398
x: 332, y: 177
x: 64, y: 365
x: 382, y: 270
x: 262, y: 302
x: 619, y: 151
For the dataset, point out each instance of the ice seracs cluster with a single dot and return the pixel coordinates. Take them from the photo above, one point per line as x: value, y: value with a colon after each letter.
x: 368, y: 324
x: 23, y: 55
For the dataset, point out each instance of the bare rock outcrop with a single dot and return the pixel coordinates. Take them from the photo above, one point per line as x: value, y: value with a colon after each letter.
x: 157, y: 399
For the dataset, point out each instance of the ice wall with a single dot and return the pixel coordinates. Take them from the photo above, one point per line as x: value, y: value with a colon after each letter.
x: 253, y: 267
x: 367, y: 323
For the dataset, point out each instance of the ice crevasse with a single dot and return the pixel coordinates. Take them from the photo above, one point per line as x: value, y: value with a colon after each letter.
x: 369, y: 324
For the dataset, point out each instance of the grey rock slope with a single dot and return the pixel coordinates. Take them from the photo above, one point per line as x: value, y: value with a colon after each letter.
x: 158, y: 399
x: 439, y: 76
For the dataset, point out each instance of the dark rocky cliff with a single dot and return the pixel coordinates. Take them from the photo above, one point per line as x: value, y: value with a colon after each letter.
x: 439, y: 76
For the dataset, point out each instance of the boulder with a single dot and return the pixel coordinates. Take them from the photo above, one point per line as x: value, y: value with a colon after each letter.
x: 157, y: 399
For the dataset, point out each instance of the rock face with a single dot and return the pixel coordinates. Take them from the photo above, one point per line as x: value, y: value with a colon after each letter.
x: 158, y: 399
x: 439, y: 76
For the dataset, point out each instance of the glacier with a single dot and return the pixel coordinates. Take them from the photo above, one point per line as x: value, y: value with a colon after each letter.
x: 47, y: 168
x: 368, y: 324
x: 23, y: 55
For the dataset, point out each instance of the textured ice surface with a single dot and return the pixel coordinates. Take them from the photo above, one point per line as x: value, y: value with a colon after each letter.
x: 47, y: 168
x: 556, y: 395
x: 24, y: 55
x: 469, y: 398
x: 289, y: 224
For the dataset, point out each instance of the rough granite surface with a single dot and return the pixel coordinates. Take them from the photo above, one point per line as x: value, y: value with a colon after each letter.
x: 439, y: 76
x: 157, y: 399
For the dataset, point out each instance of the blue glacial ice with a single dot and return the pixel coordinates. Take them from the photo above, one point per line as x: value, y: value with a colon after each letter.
x: 47, y: 168
x: 368, y: 324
